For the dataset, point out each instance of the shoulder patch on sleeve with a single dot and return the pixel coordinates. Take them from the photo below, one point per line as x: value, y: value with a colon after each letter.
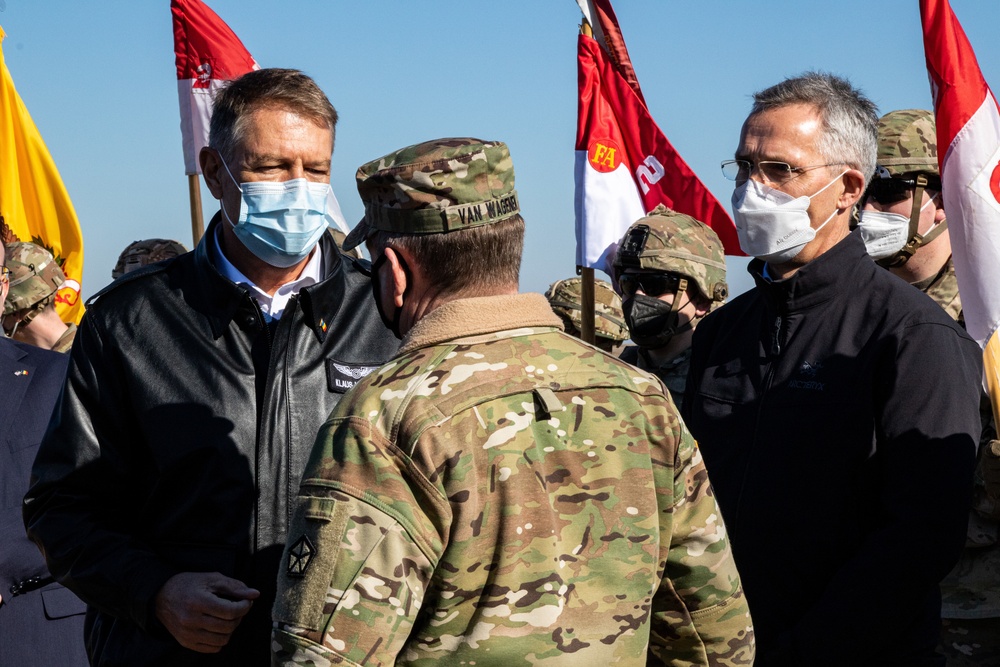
x: 299, y: 556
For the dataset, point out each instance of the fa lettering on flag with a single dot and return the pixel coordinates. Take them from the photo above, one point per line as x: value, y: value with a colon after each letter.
x: 603, y: 155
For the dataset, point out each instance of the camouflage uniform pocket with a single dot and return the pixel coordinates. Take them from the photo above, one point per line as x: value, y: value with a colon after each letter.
x: 314, y: 540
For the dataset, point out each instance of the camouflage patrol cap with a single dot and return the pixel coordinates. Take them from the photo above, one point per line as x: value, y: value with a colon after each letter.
x: 669, y: 241
x: 34, y: 276
x: 140, y: 253
x: 907, y: 142
x: 609, y: 322
x: 436, y: 187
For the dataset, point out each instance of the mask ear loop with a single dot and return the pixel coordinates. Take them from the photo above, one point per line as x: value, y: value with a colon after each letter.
x: 222, y: 202
x: 937, y: 229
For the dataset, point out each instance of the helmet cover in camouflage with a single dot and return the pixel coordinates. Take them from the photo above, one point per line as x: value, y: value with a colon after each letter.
x: 672, y: 242
x: 907, y: 142
x: 435, y: 187
x: 609, y: 322
x: 140, y: 253
x: 34, y: 276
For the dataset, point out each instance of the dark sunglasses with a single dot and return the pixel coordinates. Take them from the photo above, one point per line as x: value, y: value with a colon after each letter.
x: 651, y: 284
x: 889, y: 191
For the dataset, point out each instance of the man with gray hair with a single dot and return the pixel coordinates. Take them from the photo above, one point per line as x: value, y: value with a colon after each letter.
x: 161, y: 493
x: 841, y: 463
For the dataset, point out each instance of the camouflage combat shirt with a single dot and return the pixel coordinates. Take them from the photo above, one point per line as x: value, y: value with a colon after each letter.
x: 943, y: 288
x: 502, y: 494
x: 672, y: 373
x: 65, y: 342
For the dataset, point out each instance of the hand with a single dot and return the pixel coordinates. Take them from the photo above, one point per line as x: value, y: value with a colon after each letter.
x: 202, y: 609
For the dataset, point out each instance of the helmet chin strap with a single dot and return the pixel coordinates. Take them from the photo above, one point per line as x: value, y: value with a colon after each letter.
x: 917, y: 241
x: 13, y: 330
x: 682, y: 286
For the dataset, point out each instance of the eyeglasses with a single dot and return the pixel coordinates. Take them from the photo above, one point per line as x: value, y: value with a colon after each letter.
x: 651, y: 284
x: 771, y: 171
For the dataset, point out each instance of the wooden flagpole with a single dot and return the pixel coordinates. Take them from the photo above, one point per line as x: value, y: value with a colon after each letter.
x: 197, y: 221
x: 587, y: 326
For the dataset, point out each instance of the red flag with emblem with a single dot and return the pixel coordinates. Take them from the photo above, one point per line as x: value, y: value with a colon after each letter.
x: 625, y: 165
x: 207, y: 54
x: 968, y: 136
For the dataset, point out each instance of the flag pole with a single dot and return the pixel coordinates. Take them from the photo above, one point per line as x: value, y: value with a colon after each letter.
x: 587, y: 332
x: 197, y: 221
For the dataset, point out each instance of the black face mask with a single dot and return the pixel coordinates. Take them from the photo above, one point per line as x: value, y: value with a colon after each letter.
x: 393, y: 324
x: 651, y: 322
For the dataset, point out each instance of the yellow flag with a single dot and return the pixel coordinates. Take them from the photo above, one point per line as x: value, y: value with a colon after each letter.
x: 33, y: 200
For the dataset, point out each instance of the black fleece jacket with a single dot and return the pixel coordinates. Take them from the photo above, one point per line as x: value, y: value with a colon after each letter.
x: 837, y: 411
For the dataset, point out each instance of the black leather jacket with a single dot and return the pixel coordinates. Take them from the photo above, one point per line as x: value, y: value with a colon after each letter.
x: 180, y: 436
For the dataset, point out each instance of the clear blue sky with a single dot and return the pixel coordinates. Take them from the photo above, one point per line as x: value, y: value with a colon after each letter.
x: 98, y: 78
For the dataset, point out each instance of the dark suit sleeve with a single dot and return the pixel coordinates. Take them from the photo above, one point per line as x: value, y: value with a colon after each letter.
x: 83, y: 506
x: 927, y: 398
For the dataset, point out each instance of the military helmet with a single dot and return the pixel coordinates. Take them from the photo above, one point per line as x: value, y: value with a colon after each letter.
x: 565, y: 299
x: 34, y: 276
x: 669, y: 241
x: 907, y: 143
x: 140, y: 253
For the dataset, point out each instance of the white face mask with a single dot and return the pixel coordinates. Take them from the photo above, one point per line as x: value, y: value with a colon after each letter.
x: 774, y: 226
x: 885, y: 233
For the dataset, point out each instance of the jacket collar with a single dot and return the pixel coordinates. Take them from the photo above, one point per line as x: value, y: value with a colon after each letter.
x: 845, y: 264
x: 224, y: 301
x: 480, y: 315
x: 9, y: 350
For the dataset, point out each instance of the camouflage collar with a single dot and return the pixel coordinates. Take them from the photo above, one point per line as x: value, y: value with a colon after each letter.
x: 478, y: 316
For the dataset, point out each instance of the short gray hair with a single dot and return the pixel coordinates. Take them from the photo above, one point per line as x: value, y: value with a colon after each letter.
x: 850, y: 119
x: 270, y: 87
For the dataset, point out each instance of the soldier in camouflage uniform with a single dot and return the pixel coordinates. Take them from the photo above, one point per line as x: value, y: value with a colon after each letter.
x: 29, y: 313
x: 671, y: 271
x: 903, y: 220
x: 906, y: 231
x: 140, y: 253
x: 565, y: 298
x: 500, y: 493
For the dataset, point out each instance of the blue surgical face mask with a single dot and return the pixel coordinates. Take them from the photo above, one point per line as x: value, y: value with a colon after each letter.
x: 280, y: 223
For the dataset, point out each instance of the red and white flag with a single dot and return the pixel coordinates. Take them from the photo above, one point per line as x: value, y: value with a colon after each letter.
x: 968, y: 136
x: 208, y: 54
x: 625, y: 165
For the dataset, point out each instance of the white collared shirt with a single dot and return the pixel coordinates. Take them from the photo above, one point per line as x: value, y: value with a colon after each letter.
x: 272, y: 306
